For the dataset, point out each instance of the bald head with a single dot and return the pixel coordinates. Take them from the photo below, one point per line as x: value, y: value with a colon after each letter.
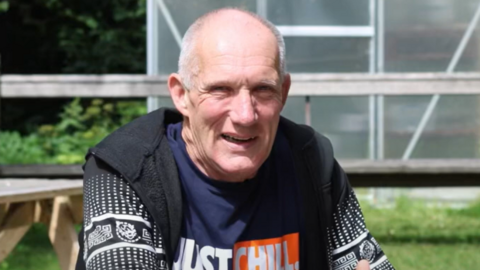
x: 236, y: 29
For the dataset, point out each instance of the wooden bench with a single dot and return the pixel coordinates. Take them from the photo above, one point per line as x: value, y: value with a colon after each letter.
x: 55, y: 203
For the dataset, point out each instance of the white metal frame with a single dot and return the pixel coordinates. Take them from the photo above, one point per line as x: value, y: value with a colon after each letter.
x: 326, y: 31
x: 374, y: 31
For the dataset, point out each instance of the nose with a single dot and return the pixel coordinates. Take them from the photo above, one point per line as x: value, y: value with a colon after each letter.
x: 243, y: 109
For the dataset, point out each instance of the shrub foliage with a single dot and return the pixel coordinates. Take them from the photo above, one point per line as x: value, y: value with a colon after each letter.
x: 66, y: 142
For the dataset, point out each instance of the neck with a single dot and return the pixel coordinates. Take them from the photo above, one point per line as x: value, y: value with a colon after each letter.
x: 201, y: 160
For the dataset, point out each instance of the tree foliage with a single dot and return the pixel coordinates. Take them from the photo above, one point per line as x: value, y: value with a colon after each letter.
x: 73, y: 36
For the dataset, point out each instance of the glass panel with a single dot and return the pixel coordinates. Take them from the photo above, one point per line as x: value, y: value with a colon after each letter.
x: 344, y: 120
x: 319, y: 12
x: 452, y: 132
x: 165, y: 102
x: 167, y: 50
x: 185, y: 13
x: 304, y: 54
x: 294, y: 109
x: 316, y: 54
x: 422, y: 36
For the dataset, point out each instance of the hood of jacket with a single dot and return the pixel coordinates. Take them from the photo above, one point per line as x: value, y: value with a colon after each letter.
x: 127, y: 147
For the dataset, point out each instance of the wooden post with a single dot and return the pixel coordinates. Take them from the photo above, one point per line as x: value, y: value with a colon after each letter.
x: 43, y: 212
x: 76, y: 207
x: 1, y: 92
x: 3, y: 212
x: 16, y: 224
x: 62, y: 233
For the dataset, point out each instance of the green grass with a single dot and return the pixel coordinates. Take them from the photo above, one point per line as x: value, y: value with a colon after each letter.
x: 413, y: 222
x: 34, y: 252
x: 433, y: 256
x: 413, y: 236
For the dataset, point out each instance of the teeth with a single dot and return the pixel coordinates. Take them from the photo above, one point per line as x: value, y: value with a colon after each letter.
x: 236, y: 139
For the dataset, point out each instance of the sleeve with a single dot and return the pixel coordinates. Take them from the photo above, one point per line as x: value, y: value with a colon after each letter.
x: 118, y: 232
x: 348, y: 237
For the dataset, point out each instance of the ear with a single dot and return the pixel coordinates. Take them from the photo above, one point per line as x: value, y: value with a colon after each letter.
x: 178, y: 93
x: 286, y: 87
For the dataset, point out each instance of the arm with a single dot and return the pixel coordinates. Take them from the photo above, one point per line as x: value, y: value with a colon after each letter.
x: 118, y: 232
x: 349, y: 239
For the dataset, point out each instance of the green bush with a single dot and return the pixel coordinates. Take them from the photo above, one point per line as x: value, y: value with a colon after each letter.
x: 67, y: 141
x: 17, y: 149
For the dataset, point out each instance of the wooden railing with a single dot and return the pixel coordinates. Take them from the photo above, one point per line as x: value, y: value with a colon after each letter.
x: 361, y: 173
x: 49, y: 86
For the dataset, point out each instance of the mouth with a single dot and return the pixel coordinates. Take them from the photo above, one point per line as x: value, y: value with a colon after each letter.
x: 235, y: 139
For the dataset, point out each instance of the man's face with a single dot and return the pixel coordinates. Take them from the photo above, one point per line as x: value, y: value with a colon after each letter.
x: 234, y: 106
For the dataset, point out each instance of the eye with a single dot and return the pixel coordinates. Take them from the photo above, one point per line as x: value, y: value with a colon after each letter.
x: 219, y: 88
x: 263, y: 88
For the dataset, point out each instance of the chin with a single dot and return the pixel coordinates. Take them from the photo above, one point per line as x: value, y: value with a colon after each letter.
x: 245, y: 169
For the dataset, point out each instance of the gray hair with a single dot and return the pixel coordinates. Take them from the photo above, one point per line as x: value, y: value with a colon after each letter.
x: 188, y: 66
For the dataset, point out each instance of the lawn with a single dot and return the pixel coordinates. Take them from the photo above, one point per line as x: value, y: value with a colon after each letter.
x: 413, y: 236
x: 433, y: 256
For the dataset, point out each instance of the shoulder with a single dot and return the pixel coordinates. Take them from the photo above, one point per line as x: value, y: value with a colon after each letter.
x: 126, y: 149
x: 303, y: 137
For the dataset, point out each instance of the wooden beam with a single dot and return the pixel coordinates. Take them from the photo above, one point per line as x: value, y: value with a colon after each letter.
x: 3, y: 212
x: 349, y: 165
x: 43, y: 211
x: 41, y: 171
x: 409, y: 173
x: 75, y: 204
x: 413, y: 166
x: 16, y: 224
x: 414, y: 180
x: 62, y: 233
x: 37, y: 189
x: 50, y: 86
x: 36, y: 86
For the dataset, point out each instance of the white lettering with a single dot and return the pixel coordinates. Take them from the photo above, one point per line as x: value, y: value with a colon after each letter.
x: 271, y: 257
x: 189, y: 251
x: 254, y: 261
x: 223, y: 256
x: 178, y: 262
x: 240, y: 253
x: 205, y: 252
x: 285, y: 255
x: 278, y: 257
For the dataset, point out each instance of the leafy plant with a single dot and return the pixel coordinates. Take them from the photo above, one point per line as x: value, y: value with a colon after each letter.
x: 15, y: 149
x: 68, y: 141
x: 4, y: 5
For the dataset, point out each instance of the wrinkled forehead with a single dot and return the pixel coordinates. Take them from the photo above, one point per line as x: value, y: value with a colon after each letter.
x: 238, y: 44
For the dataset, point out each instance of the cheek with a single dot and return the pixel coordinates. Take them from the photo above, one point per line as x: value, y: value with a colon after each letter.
x: 210, y: 114
x: 269, y: 111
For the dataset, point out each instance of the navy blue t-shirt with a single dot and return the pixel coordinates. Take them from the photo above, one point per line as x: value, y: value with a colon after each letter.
x: 230, y: 226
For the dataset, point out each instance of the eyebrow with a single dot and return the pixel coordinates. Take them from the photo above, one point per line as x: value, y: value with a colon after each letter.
x: 267, y: 81
x: 208, y: 85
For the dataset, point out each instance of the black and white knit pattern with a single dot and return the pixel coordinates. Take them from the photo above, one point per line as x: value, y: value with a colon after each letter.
x: 119, y: 232
x: 350, y: 240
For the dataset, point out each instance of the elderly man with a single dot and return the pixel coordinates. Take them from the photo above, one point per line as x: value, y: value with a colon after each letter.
x: 223, y: 182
